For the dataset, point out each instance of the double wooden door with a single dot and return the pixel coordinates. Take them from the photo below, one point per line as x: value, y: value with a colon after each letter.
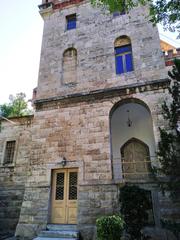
x: 64, y: 196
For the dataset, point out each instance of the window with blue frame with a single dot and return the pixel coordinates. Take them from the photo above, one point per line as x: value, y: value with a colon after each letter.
x: 124, y: 61
x: 123, y: 55
x: 71, y: 21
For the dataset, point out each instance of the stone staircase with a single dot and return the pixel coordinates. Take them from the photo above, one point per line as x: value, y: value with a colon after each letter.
x: 59, y: 232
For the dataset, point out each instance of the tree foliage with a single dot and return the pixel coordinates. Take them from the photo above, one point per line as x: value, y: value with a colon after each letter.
x: 169, y: 145
x: 165, y: 12
x: 135, y: 204
x: 16, y: 107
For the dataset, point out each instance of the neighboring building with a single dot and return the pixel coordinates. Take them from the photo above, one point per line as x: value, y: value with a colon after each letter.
x: 169, y: 52
x: 165, y: 47
x: 102, y: 80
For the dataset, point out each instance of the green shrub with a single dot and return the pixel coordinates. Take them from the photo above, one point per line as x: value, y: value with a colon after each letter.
x: 109, y: 227
x: 135, y: 204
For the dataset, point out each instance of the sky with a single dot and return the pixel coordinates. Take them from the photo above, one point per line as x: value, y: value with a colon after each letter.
x: 20, y: 45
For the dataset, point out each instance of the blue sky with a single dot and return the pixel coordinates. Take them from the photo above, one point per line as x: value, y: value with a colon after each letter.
x: 20, y: 43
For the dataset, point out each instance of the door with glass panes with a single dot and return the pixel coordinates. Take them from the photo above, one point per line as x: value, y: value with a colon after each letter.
x: 64, y: 196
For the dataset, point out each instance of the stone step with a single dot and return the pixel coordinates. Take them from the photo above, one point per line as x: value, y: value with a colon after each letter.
x: 48, y: 238
x: 59, y: 234
x: 5, y: 236
x: 59, y: 227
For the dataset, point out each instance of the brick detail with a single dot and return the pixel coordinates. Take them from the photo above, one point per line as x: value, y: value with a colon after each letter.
x: 66, y: 4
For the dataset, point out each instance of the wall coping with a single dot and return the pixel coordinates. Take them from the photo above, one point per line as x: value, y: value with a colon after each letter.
x: 106, y: 93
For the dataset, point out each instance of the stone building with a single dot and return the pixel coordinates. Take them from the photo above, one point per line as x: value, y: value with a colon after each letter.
x: 170, y: 52
x: 102, y: 79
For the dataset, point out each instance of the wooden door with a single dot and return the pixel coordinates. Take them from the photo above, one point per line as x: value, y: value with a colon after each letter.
x: 64, y: 196
x: 135, y: 159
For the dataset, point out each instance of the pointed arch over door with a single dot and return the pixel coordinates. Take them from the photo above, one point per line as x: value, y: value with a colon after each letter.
x: 135, y: 159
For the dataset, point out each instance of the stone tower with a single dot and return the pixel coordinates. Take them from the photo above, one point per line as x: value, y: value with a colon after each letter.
x: 101, y: 81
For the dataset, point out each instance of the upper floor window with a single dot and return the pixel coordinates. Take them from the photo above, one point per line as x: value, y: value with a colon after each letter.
x: 71, y: 21
x: 9, y: 152
x: 69, y: 66
x: 123, y: 55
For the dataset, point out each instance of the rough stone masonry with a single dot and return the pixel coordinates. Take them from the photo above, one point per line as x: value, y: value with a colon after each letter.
x: 72, y: 118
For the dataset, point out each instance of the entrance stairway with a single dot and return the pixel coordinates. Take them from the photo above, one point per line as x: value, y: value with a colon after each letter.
x: 59, y: 232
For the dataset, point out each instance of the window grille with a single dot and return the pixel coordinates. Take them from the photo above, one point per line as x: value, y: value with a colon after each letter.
x: 9, y: 152
x: 60, y: 186
x: 72, y: 185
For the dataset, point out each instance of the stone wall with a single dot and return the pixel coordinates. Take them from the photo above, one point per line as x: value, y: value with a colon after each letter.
x: 72, y: 121
x: 79, y: 130
x: 10, y: 205
x: 13, y: 176
x: 95, y: 200
x: 94, y: 39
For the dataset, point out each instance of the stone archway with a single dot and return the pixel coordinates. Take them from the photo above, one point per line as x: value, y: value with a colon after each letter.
x: 131, y: 119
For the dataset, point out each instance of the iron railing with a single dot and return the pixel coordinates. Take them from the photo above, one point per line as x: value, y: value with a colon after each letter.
x: 133, y: 169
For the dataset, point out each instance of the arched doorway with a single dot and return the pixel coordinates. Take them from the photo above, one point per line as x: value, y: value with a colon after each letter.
x: 132, y: 139
x: 135, y: 159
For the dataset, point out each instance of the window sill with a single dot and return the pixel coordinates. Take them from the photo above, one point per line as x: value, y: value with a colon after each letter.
x: 125, y: 73
x: 70, y: 30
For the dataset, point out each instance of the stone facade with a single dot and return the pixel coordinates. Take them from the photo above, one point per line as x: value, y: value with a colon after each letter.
x: 72, y: 120
x: 94, y: 40
x: 13, y: 176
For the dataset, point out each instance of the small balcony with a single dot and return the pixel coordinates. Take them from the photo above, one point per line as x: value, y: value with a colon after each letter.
x: 133, y: 169
x: 136, y: 170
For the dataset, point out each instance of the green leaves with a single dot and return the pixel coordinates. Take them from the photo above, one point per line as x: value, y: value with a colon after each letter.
x: 165, y: 12
x: 169, y: 145
x: 135, y: 204
x: 109, y: 227
x: 115, y: 5
x: 16, y: 107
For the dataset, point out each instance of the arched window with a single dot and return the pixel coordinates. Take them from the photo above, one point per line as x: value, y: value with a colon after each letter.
x: 123, y: 55
x: 135, y: 159
x: 69, y: 66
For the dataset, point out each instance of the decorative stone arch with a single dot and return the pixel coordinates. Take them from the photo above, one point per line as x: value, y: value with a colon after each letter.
x: 69, y: 66
x: 122, y: 40
x: 141, y: 129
